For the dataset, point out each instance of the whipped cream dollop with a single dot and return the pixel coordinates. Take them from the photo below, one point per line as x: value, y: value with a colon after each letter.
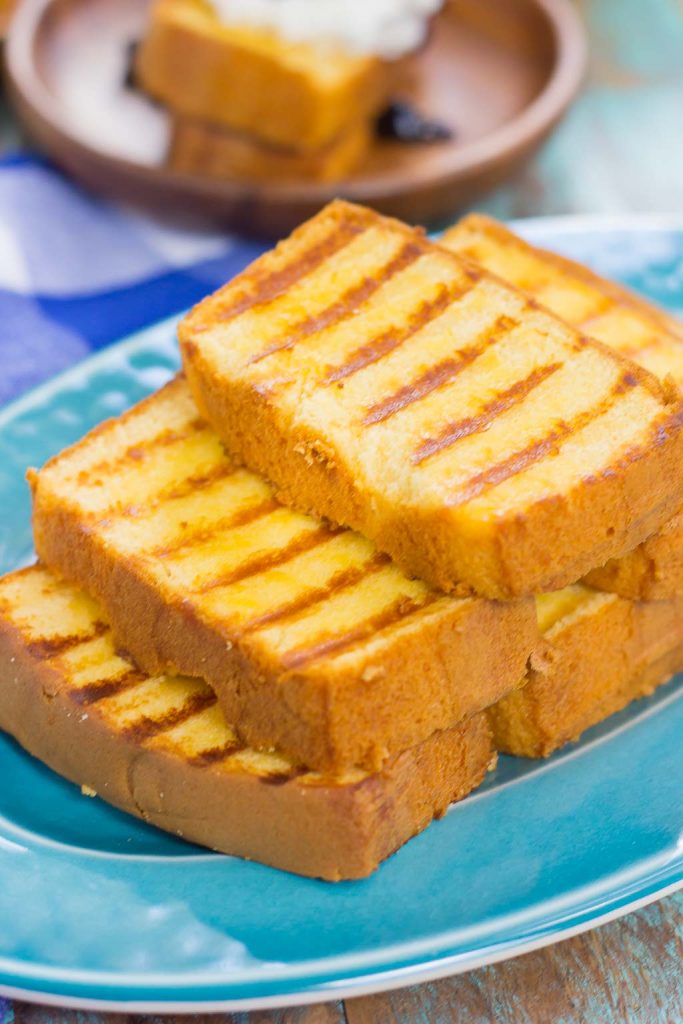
x: 384, y: 28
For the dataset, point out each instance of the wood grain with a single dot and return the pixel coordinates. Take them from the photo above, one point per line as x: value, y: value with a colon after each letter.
x: 627, y: 972
x: 24, y: 1013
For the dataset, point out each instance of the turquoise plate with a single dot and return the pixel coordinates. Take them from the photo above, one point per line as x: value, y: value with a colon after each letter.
x: 99, y: 910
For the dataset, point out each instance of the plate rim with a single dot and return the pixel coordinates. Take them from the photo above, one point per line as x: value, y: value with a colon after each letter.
x: 654, y: 884
x: 371, y: 984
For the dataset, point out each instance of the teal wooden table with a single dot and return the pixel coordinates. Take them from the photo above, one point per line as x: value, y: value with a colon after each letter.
x: 619, y: 150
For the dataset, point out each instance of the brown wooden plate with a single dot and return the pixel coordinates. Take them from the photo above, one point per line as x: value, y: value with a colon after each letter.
x: 500, y: 73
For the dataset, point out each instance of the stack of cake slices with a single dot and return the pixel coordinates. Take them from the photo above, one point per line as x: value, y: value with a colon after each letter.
x: 248, y: 103
x: 399, y: 513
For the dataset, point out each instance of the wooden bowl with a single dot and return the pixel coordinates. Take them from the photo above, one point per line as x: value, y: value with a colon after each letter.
x: 500, y: 72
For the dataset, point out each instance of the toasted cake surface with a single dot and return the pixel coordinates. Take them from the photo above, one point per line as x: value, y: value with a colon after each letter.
x: 603, y: 651
x: 288, y: 94
x: 607, y: 311
x: 382, y: 382
x: 160, y: 748
x: 315, y: 643
x: 619, y: 318
x: 198, y: 147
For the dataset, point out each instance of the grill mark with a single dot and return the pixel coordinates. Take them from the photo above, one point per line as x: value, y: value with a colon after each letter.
x: 146, y: 728
x: 537, y: 450
x: 203, y: 533
x: 343, y: 580
x: 603, y: 304
x: 393, y: 338
x: 347, y: 305
x: 400, y: 610
x: 272, y: 559
x: 618, y: 298
x: 627, y: 381
x: 51, y: 647
x: 93, y: 692
x: 610, y: 293
x: 503, y: 401
x: 607, y: 296
x: 138, y: 452
x: 216, y: 754
x: 190, y: 485
x: 437, y: 376
x: 269, y: 285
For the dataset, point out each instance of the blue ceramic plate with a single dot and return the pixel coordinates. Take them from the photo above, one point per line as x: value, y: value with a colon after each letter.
x: 97, y: 909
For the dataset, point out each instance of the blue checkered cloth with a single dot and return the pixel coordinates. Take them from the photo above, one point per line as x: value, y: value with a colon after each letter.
x: 77, y: 273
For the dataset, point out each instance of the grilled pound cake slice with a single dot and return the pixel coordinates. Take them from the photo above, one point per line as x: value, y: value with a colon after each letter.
x: 160, y: 748
x: 314, y: 642
x: 607, y: 311
x: 248, y: 79
x: 620, y: 319
x: 603, y: 651
x: 382, y: 382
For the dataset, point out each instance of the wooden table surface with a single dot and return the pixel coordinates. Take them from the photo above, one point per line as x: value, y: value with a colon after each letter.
x: 619, y: 150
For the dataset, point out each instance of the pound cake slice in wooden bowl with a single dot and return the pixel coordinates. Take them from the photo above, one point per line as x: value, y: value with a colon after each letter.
x: 602, y: 652
x: 300, y: 95
x: 161, y: 748
x: 385, y: 383
x: 620, y: 319
x: 198, y: 147
x: 315, y: 643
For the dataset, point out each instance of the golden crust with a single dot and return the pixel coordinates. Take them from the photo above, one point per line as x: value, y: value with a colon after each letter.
x: 273, y: 419
x: 250, y: 81
x: 396, y: 682
x: 327, y: 827
x: 653, y: 571
x: 605, y: 653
